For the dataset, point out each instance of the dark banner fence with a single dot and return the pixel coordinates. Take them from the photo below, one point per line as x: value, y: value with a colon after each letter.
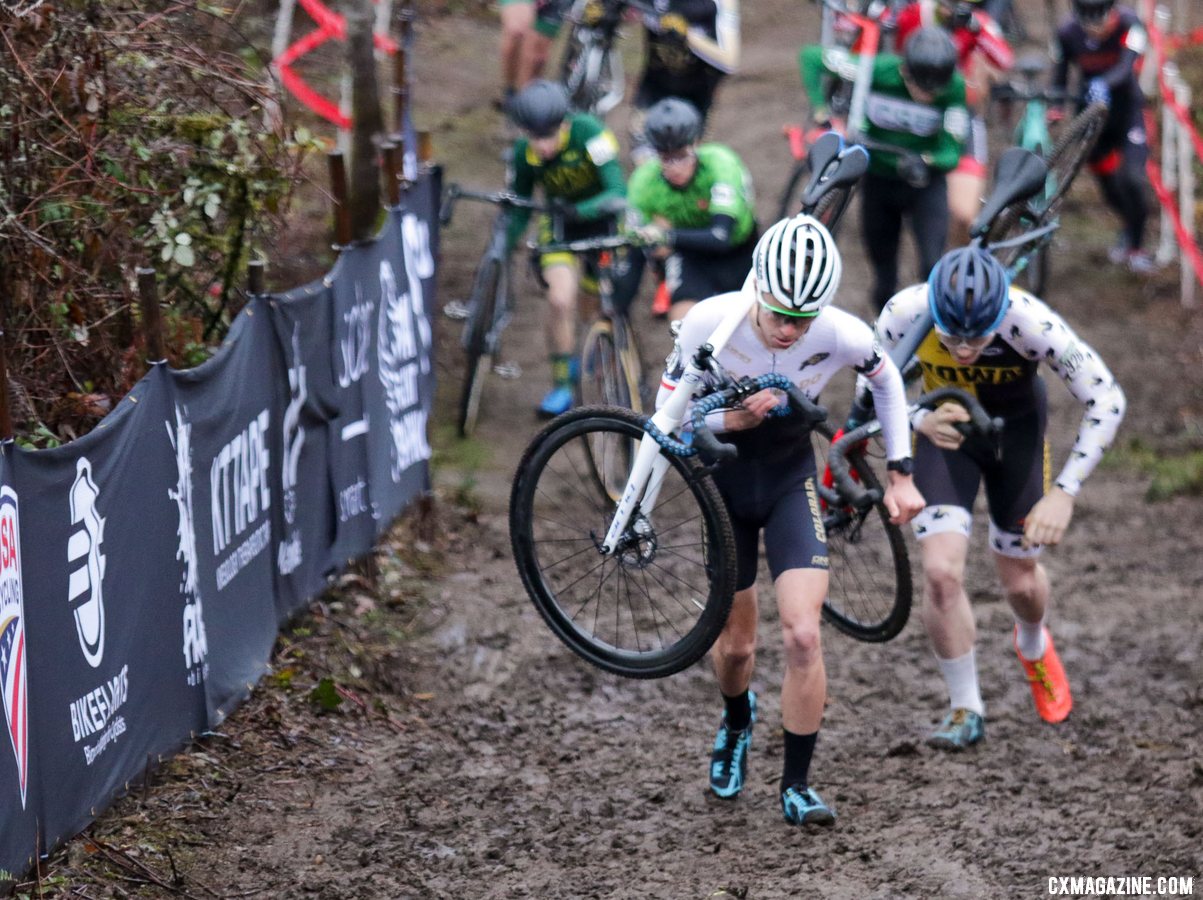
x: 146, y: 567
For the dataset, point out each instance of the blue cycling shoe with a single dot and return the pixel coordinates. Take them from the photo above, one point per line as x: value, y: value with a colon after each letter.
x: 960, y: 730
x: 729, y: 759
x: 556, y: 402
x: 803, y: 806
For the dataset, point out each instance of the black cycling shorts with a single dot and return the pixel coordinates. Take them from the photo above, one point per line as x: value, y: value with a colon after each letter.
x: 695, y: 276
x: 779, y: 497
x: 1015, y: 482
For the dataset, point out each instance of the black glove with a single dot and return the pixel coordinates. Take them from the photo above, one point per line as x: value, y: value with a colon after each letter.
x: 913, y: 171
x: 563, y: 211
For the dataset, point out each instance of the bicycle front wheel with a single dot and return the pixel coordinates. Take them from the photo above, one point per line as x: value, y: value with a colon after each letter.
x: 870, y: 592
x: 791, y: 198
x: 478, y: 355
x: 1071, y: 150
x: 657, y: 604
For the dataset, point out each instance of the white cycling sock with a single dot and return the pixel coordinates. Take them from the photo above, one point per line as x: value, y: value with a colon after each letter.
x: 1029, y: 639
x: 960, y: 675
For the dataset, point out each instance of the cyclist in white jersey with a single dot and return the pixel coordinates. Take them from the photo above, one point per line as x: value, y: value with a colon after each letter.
x: 990, y: 338
x: 789, y: 329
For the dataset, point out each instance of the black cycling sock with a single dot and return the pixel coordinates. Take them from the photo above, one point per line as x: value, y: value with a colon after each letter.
x: 798, y: 750
x: 739, y: 711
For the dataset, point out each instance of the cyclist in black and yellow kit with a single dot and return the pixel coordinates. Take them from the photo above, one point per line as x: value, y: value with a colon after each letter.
x: 990, y: 338
x: 575, y: 159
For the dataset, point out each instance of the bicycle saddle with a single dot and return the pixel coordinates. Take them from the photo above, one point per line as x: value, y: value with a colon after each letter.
x: 1019, y: 175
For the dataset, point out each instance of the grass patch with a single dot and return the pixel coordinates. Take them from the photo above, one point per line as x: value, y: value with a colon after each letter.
x: 1173, y: 475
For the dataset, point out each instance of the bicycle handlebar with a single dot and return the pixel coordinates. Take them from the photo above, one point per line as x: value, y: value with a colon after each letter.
x: 980, y: 422
x: 716, y: 451
x: 1014, y: 90
x: 505, y: 199
x: 589, y: 245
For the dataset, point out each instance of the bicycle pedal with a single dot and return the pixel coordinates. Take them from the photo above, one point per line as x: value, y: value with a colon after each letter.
x: 508, y: 371
x: 457, y: 310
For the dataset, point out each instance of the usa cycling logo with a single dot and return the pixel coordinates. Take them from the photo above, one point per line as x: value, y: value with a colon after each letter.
x: 83, y: 551
x: 12, y: 636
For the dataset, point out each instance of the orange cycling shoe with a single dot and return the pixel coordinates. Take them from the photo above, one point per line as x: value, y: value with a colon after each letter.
x: 662, y: 302
x: 1050, y: 687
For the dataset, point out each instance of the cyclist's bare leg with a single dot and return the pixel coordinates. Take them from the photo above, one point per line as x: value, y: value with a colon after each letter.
x: 563, y: 283
x: 947, y: 615
x: 800, y: 594
x: 679, y: 308
x: 734, y: 653
x: 965, y: 191
x: 536, y: 48
x: 1025, y: 584
x: 517, y: 25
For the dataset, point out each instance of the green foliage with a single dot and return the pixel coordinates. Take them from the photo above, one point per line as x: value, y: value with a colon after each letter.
x: 325, y: 695
x: 1172, y: 474
x: 129, y: 138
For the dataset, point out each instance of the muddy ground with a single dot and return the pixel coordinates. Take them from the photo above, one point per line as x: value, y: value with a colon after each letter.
x: 473, y: 756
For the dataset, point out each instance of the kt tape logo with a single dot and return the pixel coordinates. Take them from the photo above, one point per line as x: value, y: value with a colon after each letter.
x: 83, y: 552
x: 12, y: 637
x: 20, y: 7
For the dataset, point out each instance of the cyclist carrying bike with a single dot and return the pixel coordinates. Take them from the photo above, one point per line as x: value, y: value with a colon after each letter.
x: 791, y: 329
x: 1104, y: 42
x: 982, y: 51
x: 690, y: 46
x: 528, y: 30
x: 990, y: 339
x: 916, y: 102
x: 694, y: 201
x: 575, y: 159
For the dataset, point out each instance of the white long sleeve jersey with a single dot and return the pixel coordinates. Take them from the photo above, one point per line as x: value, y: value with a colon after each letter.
x: 835, y: 340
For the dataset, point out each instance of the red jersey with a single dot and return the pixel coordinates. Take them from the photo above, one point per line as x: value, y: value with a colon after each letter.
x: 985, y: 35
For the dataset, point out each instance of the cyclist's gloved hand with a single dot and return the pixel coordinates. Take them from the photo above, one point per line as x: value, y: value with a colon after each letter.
x: 651, y: 235
x: 1098, y: 92
x: 913, y: 171
x: 962, y: 17
x: 564, y: 211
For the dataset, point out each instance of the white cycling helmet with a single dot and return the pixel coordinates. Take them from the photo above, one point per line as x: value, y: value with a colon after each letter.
x: 798, y: 263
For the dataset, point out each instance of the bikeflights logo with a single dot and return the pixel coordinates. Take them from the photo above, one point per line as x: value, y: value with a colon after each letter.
x: 12, y: 636
x: 195, y: 646
x: 85, y: 582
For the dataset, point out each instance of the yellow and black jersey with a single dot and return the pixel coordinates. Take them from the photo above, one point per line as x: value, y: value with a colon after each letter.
x: 1004, y: 378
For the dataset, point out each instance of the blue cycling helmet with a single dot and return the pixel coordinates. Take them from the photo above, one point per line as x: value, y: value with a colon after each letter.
x: 968, y: 292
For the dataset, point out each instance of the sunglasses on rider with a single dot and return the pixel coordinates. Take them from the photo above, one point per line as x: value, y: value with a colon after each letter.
x: 954, y: 342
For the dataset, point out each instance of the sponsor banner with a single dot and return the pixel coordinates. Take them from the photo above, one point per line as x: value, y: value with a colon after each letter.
x: 18, y: 824
x: 400, y: 394
x: 105, y: 633
x: 306, y: 516
x: 223, y: 431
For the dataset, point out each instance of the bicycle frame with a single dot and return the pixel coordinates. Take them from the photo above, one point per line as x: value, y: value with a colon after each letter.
x: 647, y: 472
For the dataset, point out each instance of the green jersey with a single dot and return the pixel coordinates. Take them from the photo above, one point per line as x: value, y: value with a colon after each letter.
x: 937, y: 130
x: 585, y: 172
x: 721, y: 186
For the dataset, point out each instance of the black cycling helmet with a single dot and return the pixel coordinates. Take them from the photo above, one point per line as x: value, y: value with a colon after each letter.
x: 968, y: 292
x: 672, y: 124
x: 930, y: 58
x: 1092, y: 12
x: 539, y: 108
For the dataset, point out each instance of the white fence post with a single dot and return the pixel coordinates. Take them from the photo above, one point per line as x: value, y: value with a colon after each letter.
x: 1186, y: 191
x: 1167, y: 247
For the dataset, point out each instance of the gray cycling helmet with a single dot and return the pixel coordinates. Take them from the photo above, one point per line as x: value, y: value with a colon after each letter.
x: 539, y: 108
x: 930, y: 58
x: 968, y: 292
x: 672, y: 124
x: 1092, y: 12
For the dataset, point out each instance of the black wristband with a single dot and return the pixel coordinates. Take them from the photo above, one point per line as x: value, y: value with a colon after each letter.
x: 904, y: 466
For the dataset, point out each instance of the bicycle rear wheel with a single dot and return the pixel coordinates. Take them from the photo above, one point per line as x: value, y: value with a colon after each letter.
x: 479, y: 359
x: 870, y: 592
x: 604, y: 379
x: 657, y: 605
x: 791, y: 198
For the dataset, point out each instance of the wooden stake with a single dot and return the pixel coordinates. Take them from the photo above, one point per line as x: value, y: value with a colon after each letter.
x: 392, y: 173
x: 338, y: 191
x: 6, y: 419
x: 152, y: 319
x: 255, y: 277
